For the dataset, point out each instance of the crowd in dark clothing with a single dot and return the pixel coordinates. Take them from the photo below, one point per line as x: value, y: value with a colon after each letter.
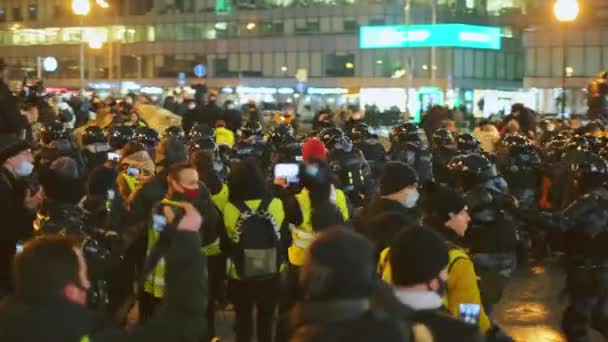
x: 329, y: 237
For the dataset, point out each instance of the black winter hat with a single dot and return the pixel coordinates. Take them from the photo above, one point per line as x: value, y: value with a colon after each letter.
x: 101, y: 179
x: 395, y: 177
x: 10, y: 146
x: 341, y: 265
x: 417, y: 255
x: 442, y: 202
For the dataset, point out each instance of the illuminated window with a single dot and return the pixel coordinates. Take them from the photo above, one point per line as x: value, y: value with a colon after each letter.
x: 32, y: 12
x: 2, y: 15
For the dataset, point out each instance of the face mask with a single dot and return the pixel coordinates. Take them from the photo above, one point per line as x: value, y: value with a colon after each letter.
x: 192, y: 106
x: 411, y: 200
x: 191, y: 194
x: 24, y: 169
x: 92, y: 115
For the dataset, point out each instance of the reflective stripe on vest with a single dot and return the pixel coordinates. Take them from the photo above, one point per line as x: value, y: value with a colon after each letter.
x: 303, y: 235
x: 85, y: 339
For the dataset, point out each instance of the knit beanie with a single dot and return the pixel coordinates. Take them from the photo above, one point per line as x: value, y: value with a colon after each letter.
x: 314, y: 148
x: 395, y: 177
x: 11, y: 146
x: 340, y: 266
x: 442, y: 202
x: 417, y: 255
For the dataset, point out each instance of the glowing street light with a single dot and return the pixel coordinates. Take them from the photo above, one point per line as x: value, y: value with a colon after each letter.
x: 102, y: 3
x: 81, y: 7
x: 566, y: 10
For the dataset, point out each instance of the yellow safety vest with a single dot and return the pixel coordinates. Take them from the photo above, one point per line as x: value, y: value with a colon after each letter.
x: 221, y: 198
x: 155, y: 283
x: 224, y: 136
x: 231, y: 218
x: 303, y: 235
x: 131, y: 181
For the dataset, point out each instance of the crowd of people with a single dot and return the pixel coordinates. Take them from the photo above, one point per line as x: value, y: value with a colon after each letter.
x: 331, y: 235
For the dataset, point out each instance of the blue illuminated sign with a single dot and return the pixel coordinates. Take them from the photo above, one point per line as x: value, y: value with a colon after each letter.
x: 439, y: 35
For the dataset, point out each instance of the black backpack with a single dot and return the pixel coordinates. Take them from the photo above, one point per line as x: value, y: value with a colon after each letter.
x: 257, y: 250
x: 351, y: 171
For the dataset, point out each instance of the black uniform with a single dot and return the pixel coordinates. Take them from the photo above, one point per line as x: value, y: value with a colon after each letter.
x: 581, y: 232
x: 409, y: 145
x: 492, y: 236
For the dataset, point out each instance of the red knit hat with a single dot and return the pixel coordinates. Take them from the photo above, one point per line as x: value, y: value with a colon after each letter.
x: 314, y: 148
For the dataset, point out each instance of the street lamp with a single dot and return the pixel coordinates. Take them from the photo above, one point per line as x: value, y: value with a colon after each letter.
x: 81, y: 8
x: 565, y: 11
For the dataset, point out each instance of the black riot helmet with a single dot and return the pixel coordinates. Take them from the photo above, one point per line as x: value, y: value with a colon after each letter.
x: 516, y: 143
x: 94, y: 135
x: 251, y: 128
x: 330, y: 135
x: 203, y: 143
x: 443, y: 138
x: 281, y: 135
x: 467, y: 143
x: 147, y: 136
x: 119, y: 136
x: 472, y: 169
x: 591, y: 172
x: 340, y: 143
x: 201, y: 131
x: 578, y: 142
x: 359, y: 131
x: 53, y: 131
x: 175, y: 131
x: 555, y: 147
x: 407, y: 132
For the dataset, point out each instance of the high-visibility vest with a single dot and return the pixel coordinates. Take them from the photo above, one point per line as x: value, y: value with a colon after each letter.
x: 231, y: 218
x: 221, y: 198
x: 303, y: 235
x: 224, y: 136
x: 155, y: 282
x: 131, y: 181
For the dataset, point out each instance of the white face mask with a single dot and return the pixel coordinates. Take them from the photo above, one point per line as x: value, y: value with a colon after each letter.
x: 411, y: 200
x: 24, y: 169
x: 92, y: 115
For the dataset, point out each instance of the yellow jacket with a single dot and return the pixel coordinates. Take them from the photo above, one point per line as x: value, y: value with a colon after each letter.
x: 462, y: 283
x: 303, y: 235
x: 463, y: 287
x: 221, y: 198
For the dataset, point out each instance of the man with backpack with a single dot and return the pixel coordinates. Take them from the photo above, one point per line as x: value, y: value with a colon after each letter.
x: 255, y: 247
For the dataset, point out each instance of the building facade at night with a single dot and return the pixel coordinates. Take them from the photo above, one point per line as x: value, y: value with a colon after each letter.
x: 586, y: 53
x: 265, y: 43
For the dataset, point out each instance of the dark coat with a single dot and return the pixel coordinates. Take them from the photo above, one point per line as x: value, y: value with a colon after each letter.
x: 343, y: 321
x: 378, y: 221
x: 180, y: 318
x: 11, y: 120
x: 233, y: 119
x: 18, y: 223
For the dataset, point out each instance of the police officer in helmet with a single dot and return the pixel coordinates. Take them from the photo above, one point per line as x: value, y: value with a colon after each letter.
x: 56, y: 141
x: 95, y: 146
x: 349, y: 165
x: 409, y: 145
x: 581, y: 232
x: 368, y: 144
x: 251, y: 144
x: 492, y: 237
x: 444, y: 149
